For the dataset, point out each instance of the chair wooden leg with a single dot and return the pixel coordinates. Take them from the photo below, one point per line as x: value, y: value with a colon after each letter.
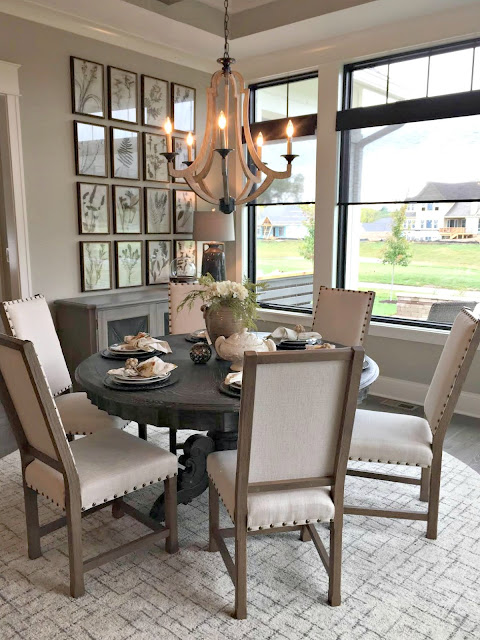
x: 171, y: 543
x: 117, y: 509
x: 305, y: 535
x: 434, y: 499
x: 425, y: 486
x: 240, y: 573
x: 173, y: 440
x: 213, y: 515
x: 142, y: 431
x: 75, y: 552
x: 33, y: 523
x: 335, y: 564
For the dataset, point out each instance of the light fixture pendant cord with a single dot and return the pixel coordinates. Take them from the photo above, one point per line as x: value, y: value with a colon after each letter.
x: 226, y: 51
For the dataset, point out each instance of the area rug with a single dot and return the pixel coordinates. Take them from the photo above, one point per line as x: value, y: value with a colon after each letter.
x: 397, y: 585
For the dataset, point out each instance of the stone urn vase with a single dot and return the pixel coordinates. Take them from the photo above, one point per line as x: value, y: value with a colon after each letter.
x: 234, y: 347
x: 221, y: 322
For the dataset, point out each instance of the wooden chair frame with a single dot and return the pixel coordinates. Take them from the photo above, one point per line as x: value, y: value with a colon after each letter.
x: 66, y: 466
x: 429, y: 481
x: 331, y: 561
x: 368, y: 312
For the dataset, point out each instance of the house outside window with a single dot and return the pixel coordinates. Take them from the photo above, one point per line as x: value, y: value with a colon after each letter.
x: 399, y: 164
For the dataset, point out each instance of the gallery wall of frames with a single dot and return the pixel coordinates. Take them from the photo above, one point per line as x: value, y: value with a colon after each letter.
x: 123, y: 186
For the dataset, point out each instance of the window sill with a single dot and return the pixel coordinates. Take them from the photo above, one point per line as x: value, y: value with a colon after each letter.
x: 377, y: 329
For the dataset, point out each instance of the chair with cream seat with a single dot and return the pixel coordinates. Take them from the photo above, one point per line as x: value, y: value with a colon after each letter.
x: 81, y: 477
x: 187, y: 319
x: 343, y: 315
x: 293, y: 446
x: 409, y: 440
x: 30, y: 319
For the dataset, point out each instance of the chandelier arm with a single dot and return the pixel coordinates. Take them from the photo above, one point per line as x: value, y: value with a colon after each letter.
x: 258, y: 192
x: 200, y: 193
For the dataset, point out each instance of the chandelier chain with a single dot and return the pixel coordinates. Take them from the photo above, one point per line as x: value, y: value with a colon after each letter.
x: 226, y: 51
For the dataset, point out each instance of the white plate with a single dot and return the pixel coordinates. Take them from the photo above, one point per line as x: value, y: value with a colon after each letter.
x: 236, y: 385
x: 140, y: 380
x: 117, y: 349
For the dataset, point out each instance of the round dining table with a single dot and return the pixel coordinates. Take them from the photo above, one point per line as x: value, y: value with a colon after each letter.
x: 193, y: 401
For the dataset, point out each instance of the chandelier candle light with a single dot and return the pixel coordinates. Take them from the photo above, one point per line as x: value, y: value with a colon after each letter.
x: 227, y: 108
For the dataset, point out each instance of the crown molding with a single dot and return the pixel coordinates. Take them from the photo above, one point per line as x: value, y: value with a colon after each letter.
x: 107, y: 32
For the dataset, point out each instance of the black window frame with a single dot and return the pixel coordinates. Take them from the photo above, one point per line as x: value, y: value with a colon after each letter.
x: 305, y: 125
x: 451, y: 105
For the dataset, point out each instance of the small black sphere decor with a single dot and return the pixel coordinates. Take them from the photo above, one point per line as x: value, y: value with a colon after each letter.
x: 200, y: 353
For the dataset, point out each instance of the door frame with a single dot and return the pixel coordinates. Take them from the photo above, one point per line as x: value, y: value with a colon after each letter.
x: 14, y: 185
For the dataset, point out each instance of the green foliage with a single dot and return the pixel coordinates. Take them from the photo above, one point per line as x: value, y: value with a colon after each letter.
x: 372, y: 215
x: 307, y: 247
x: 397, y: 248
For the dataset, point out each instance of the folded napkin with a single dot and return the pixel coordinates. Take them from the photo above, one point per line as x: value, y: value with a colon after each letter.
x: 234, y: 377
x: 201, y: 333
x: 144, y: 342
x: 147, y: 369
x: 298, y: 333
x: 325, y: 345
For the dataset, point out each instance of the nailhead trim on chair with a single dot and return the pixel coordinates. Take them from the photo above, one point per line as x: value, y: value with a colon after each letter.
x: 266, y: 526
x: 407, y: 464
x: 94, y: 504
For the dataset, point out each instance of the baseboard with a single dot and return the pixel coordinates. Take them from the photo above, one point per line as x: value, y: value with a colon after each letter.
x: 414, y: 392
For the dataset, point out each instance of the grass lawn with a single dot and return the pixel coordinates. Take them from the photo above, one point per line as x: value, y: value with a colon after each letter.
x: 281, y: 257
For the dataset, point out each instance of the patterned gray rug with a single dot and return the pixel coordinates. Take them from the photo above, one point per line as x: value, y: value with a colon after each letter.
x: 396, y: 583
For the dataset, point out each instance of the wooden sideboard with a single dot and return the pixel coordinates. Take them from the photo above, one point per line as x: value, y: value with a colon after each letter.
x: 88, y: 324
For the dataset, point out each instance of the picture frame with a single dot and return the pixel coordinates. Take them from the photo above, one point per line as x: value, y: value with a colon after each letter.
x: 184, y: 206
x: 125, y: 153
x: 158, y: 259
x: 122, y: 95
x: 180, y: 146
x: 93, y: 207
x: 127, y: 209
x: 154, y: 101
x: 90, y: 142
x: 186, y: 249
x: 129, y: 263
x: 96, y: 265
x: 88, y: 91
x: 155, y: 166
x: 183, y: 107
x: 157, y: 210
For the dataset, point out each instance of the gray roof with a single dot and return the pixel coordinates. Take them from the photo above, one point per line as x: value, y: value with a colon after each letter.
x: 281, y: 216
x: 435, y: 191
x: 384, y: 224
x: 464, y: 210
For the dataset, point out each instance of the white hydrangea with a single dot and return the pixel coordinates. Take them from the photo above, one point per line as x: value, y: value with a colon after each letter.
x: 227, y: 289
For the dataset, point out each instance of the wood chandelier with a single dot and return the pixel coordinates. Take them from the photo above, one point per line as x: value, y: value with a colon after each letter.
x: 227, y: 89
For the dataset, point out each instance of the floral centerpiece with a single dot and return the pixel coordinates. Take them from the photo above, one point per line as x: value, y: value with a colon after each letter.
x: 228, y: 306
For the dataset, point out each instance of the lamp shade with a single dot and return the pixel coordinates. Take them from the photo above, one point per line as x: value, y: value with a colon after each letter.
x: 213, y: 226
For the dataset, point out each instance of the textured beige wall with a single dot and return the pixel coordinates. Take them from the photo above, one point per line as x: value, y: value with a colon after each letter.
x: 47, y: 129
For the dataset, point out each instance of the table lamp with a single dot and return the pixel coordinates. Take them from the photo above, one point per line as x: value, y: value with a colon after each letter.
x: 214, y: 229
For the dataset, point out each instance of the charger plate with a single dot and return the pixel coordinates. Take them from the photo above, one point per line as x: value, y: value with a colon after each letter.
x: 109, y: 382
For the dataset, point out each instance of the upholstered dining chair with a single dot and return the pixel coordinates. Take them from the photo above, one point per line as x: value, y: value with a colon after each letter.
x: 343, y: 315
x: 296, y: 420
x: 186, y: 320
x: 30, y: 319
x: 83, y: 477
x: 418, y: 442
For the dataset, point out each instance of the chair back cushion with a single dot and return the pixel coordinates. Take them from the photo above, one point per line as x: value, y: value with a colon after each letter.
x: 186, y: 320
x: 343, y: 315
x: 297, y: 418
x: 25, y: 398
x: 452, y: 368
x: 30, y: 319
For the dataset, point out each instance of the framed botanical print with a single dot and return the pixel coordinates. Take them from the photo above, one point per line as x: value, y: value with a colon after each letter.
x: 157, y: 210
x: 127, y: 205
x: 122, y: 95
x: 87, y: 88
x: 180, y: 146
x: 184, y: 205
x: 93, y: 208
x: 183, y: 108
x: 90, y: 149
x: 154, y: 101
x: 186, y: 249
x: 125, y: 151
x: 155, y: 168
x: 129, y: 263
x: 159, y: 256
x: 95, y: 266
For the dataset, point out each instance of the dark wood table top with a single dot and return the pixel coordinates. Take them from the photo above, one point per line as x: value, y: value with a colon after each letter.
x: 194, y: 401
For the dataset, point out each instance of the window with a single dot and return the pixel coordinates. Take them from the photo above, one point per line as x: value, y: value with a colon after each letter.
x: 409, y: 200
x: 281, y: 220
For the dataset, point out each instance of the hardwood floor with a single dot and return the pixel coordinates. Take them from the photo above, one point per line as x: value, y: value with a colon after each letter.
x: 463, y: 435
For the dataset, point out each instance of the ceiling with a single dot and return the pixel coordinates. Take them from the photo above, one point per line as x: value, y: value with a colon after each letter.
x: 235, y: 5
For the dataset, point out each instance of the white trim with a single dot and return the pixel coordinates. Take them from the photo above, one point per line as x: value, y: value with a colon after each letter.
x: 408, y: 333
x: 415, y: 393
x: 9, y: 86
